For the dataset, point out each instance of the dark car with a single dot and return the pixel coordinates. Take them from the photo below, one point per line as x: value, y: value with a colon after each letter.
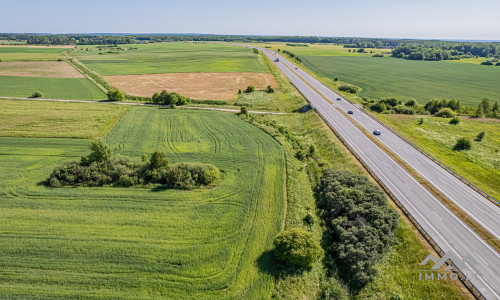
x: 350, y: 112
x: 338, y: 98
x: 377, y: 132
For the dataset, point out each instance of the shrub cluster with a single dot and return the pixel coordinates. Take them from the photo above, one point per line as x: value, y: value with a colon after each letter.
x: 170, y: 98
x: 101, y: 167
x: 462, y: 144
x: 348, y: 88
x: 115, y: 95
x: 297, y: 247
x: 359, y: 223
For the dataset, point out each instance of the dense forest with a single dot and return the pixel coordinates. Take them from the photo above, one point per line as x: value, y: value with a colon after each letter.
x: 446, y: 51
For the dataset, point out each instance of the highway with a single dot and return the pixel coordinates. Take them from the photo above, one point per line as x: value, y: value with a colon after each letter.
x: 471, y: 253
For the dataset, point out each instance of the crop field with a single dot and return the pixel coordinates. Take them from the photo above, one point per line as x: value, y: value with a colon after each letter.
x: 25, y: 118
x: 480, y: 165
x: 201, y: 86
x: 321, y: 49
x: 143, y: 243
x: 30, y: 53
x: 381, y: 77
x: 172, y: 57
x: 39, y: 69
x: 54, y: 88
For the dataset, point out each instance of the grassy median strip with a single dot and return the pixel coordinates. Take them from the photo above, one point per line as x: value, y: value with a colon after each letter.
x: 473, y: 224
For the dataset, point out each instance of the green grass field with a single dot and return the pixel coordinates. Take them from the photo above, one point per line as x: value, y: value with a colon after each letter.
x: 480, y: 165
x: 25, y: 118
x: 30, y: 54
x: 407, y: 79
x: 54, y: 88
x: 139, y: 243
x: 178, y: 57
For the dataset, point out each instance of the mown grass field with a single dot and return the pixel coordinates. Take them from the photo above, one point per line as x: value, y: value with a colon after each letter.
x: 142, y: 243
x: 174, y: 57
x: 55, y: 88
x: 25, y: 118
x: 480, y: 165
x: 381, y: 77
x: 30, y: 54
x: 397, y: 273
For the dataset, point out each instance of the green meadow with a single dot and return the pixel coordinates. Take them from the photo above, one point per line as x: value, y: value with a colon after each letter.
x: 143, y: 242
x: 172, y: 57
x: 30, y: 53
x: 54, y: 88
x: 480, y: 165
x: 381, y: 77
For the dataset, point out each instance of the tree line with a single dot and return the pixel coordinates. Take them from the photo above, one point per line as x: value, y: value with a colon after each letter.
x: 450, y: 51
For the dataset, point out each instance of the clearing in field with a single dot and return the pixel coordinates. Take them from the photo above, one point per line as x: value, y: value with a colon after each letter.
x: 143, y: 243
x: 201, y: 86
x: 58, y: 69
x: 382, y: 77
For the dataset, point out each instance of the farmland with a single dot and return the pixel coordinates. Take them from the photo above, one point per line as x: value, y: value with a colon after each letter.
x: 381, y: 77
x: 24, y: 118
x: 30, y: 53
x: 169, y: 58
x: 56, y: 88
x: 138, y: 242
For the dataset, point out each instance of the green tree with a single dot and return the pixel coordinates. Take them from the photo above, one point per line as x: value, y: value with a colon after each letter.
x: 480, y: 111
x: 269, y: 89
x: 36, y: 94
x: 115, y: 95
x: 101, y: 151
x: 297, y: 247
x: 455, y: 120
x: 462, y: 144
x: 244, y: 110
x: 485, y: 103
x: 158, y: 160
x: 250, y: 89
x: 446, y: 113
x: 411, y: 103
x: 300, y: 154
x: 480, y: 136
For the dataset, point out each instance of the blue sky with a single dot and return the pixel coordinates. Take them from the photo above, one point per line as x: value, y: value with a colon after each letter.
x: 446, y: 19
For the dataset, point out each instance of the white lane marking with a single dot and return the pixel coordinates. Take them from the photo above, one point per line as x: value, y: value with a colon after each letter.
x: 437, y: 215
x: 470, y: 267
x: 488, y: 286
x: 385, y: 163
x: 478, y: 208
x: 481, y: 258
x: 408, y: 187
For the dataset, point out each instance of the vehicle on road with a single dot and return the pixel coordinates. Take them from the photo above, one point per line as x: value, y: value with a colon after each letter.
x: 377, y: 132
x: 350, y: 112
x: 277, y: 60
x: 338, y: 98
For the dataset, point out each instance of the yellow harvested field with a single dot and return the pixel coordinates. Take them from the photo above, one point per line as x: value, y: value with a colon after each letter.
x: 199, y: 86
x: 59, y: 69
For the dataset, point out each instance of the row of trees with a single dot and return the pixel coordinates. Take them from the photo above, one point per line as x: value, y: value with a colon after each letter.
x: 102, y: 167
x: 170, y: 98
x: 455, y: 51
x: 360, y: 225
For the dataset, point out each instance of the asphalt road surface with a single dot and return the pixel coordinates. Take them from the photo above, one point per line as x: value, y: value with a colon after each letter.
x: 477, y: 259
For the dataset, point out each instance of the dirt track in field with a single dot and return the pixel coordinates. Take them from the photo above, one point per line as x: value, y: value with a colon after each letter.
x: 58, y: 69
x: 199, y: 86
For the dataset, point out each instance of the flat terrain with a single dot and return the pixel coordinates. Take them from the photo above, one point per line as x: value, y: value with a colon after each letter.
x: 15, y: 53
x: 201, y: 86
x: 381, y: 77
x: 56, y: 88
x: 174, y: 57
x: 480, y: 165
x: 24, y: 118
x: 49, y: 69
x: 143, y: 243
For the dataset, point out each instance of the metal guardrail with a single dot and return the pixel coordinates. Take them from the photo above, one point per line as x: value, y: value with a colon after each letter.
x: 463, y: 278
x: 471, y: 185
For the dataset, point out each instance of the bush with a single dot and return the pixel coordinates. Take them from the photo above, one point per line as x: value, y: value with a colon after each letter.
x: 309, y: 219
x: 36, y: 94
x: 171, y: 99
x: 300, y: 154
x: 269, y: 89
x: 250, y: 89
x: 446, y: 113
x: 297, y: 247
x: 487, y: 63
x: 244, y: 110
x: 348, y: 88
x: 115, y: 95
x: 497, y: 64
x: 462, y: 144
x: 190, y: 175
x: 480, y: 136
x: 378, y: 55
x: 455, y: 120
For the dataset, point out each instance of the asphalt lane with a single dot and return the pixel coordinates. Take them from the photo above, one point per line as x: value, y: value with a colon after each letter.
x: 470, y: 253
